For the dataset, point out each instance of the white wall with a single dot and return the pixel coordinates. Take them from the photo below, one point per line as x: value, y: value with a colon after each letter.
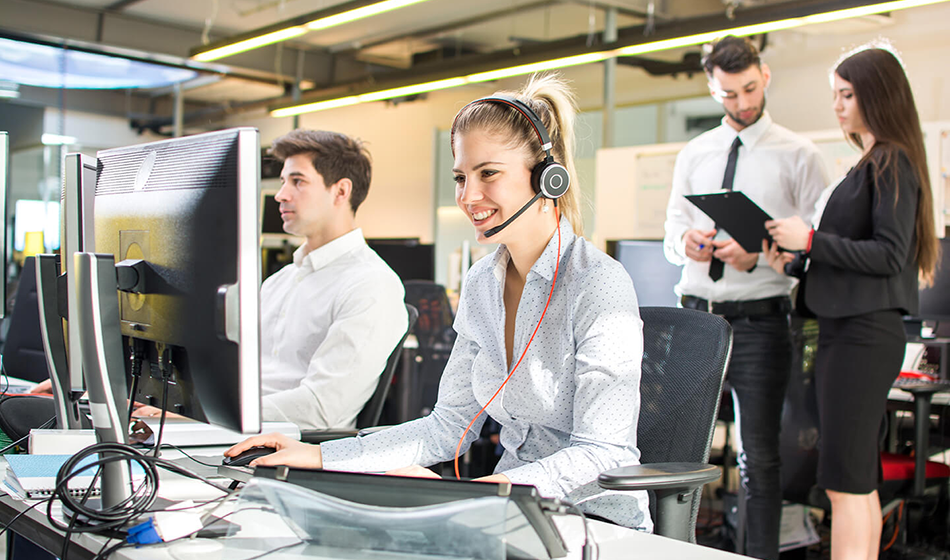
x: 401, y: 140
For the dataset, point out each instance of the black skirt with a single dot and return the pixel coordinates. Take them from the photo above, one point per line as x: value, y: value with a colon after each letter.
x: 858, y: 359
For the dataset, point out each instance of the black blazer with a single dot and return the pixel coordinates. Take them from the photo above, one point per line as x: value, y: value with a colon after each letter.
x: 864, y: 254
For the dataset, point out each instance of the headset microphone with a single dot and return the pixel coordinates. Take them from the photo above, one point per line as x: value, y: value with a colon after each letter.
x: 496, y: 229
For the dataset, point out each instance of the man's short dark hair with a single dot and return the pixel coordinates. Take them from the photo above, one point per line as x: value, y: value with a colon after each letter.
x: 335, y: 156
x: 731, y: 54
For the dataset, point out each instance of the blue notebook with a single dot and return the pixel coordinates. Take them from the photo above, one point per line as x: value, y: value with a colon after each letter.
x: 34, y: 476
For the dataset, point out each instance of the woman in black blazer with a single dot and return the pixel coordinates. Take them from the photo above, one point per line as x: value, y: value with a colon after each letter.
x: 872, y: 242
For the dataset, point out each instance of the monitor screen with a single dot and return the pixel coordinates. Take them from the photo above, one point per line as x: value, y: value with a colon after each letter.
x: 408, y: 258
x: 188, y: 208
x: 653, y: 276
x: 935, y: 300
x: 271, y: 222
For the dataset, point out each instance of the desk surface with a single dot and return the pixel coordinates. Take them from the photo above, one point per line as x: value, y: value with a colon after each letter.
x: 613, y: 541
x: 896, y: 394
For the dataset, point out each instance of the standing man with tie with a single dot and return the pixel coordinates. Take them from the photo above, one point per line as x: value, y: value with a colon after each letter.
x: 783, y: 173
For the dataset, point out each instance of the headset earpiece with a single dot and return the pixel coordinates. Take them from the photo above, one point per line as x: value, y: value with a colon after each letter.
x: 550, y: 178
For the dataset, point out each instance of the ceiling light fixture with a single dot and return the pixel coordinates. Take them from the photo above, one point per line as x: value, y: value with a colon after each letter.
x: 331, y: 17
x: 587, y: 58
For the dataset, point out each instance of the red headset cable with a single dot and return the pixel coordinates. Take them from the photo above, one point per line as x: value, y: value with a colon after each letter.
x: 557, y: 217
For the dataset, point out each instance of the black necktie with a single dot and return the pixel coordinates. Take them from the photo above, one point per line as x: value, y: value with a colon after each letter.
x: 716, y: 266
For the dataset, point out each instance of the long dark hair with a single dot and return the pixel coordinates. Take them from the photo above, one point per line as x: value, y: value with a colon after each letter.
x: 888, y: 110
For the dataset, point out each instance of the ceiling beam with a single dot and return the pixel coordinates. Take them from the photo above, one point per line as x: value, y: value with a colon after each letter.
x: 572, y: 46
x: 449, y: 27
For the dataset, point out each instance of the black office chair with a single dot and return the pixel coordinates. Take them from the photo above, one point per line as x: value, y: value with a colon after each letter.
x: 23, y: 354
x: 436, y: 337
x: 373, y: 409
x: 685, y: 353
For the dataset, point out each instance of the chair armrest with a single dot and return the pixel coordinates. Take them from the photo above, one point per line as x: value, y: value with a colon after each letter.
x: 320, y: 436
x: 674, y: 486
x: 659, y: 476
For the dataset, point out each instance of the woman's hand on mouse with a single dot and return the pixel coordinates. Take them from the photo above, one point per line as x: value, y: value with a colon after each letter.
x: 289, y: 452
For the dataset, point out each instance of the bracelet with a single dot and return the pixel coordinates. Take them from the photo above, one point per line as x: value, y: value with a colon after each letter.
x: 811, y: 237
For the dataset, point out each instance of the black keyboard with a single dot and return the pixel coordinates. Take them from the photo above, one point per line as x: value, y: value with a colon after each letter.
x: 935, y: 385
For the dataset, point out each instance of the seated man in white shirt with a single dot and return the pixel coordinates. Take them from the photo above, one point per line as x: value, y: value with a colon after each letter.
x: 330, y: 319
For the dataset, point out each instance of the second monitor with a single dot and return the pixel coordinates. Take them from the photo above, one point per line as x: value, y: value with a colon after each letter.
x: 180, y: 217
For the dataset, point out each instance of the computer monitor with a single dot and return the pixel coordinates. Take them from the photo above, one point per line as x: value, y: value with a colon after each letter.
x: 271, y: 222
x: 4, y: 187
x: 408, y: 258
x: 653, y: 276
x: 56, y: 302
x: 180, y: 219
x: 935, y: 300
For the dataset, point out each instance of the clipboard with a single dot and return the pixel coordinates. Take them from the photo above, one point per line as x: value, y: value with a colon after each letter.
x: 735, y: 213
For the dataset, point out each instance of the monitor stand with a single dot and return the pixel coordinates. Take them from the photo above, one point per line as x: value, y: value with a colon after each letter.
x: 103, y: 364
x: 49, y: 297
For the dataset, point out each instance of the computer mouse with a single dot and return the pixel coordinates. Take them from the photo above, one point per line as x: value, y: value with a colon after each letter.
x: 242, y: 459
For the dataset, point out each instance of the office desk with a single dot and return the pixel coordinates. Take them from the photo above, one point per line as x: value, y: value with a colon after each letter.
x: 922, y: 399
x: 614, y: 542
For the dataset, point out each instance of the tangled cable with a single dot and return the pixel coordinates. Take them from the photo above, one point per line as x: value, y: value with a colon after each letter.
x: 83, y: 518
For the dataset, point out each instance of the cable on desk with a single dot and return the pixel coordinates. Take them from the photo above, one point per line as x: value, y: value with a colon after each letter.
x: 563, y: 507
x: 586, y: 550
x: 108, y: 520
x: 185, y: 453
x: 278, y: 549
x: 22, y: 513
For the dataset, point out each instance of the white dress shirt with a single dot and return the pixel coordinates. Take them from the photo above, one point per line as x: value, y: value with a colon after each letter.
x: 779, y: 170
x: 570, y: 410
x: 329, y: 321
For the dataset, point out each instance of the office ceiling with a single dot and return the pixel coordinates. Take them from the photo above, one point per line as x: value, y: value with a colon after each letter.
x: 407, y: 41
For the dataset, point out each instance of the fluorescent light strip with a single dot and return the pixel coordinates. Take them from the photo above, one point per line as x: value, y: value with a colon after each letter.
x: 251, y: 44
x: 360, y: 13
x: 298, y: 30
x: 537, y: 67
x: 588, y: 58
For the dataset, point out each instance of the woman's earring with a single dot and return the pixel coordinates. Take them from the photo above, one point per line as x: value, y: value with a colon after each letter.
x: 544, y: 205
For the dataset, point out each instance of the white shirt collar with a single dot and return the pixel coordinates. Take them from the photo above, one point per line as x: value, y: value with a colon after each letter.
x: 326, y: 254
x: 749, y: 135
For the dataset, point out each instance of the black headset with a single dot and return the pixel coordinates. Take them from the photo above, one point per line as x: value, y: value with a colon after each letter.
x: 549, y: 178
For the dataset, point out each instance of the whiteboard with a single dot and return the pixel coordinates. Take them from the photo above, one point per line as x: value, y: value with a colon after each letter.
x: 632, y: 187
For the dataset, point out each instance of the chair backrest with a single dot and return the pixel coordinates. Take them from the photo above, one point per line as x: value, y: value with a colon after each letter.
x: 23, y: 353
x: 434, y: 329
x: 436, y: 337
x: 685, y: 353
x: 373, y: 408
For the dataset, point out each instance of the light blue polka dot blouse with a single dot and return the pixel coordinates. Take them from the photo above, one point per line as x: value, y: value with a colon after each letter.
x: 570, y: 410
